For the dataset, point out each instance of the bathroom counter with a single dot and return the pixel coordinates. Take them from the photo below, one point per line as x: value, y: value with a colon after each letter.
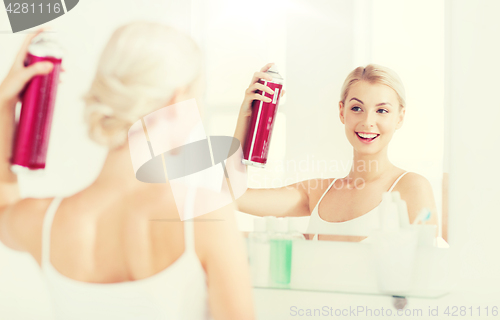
x: 277, y: 304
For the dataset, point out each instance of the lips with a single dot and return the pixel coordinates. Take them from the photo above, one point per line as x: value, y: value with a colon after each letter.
x: 367, y: 140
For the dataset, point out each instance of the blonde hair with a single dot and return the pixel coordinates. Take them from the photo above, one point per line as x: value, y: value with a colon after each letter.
x: 140, y: 69
x: 373, y: 73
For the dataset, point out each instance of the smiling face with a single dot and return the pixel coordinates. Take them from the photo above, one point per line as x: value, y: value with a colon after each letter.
x: 371, y: 114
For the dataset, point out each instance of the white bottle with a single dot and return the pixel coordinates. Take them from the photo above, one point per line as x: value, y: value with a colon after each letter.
x: 404, y: 219
x: 292, y: 230
x: 384, y: 209
x: 259, y: 252
x: 271, y: 222
x: 389, y: 216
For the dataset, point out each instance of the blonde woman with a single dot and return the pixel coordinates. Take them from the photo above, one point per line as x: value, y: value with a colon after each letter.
x: 372, y: 108
x: 105, y: 251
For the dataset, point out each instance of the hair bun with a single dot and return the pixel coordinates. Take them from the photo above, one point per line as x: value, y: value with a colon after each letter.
x: 105, y: 127
x: 140, y: 69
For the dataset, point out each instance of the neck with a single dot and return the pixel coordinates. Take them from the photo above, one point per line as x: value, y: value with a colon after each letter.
x: 369, y: 167
x: 117, y: 171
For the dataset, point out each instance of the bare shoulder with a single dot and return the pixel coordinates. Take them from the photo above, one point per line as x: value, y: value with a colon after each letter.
x: 412, y: 182
x: 316, y: 189
x: 316, y: 186
x: 417, y: 192
x: 23, y: 221
x: 311, y: 190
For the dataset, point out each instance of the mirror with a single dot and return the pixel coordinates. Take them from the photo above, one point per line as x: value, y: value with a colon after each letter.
x: 315, y: 45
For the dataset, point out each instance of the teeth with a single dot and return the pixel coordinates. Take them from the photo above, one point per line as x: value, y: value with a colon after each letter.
x: 366, y: 135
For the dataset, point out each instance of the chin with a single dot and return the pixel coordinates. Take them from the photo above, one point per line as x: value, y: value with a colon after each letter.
x: 367, y: 152
x: 364, y: 149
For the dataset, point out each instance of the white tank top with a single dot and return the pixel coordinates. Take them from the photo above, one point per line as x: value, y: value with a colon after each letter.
x: 177, y: 292
x: 359, y: 226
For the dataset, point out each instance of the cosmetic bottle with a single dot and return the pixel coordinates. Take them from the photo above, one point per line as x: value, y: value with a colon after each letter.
x: 404, y: 219
x: 259, y: 251
x: 394, y: 250
x: 270, y: 224
x: 280, y: 254
x: 256, y: 145
x: 32, y: 135
x: 292, y: 230
x: 389, y: 216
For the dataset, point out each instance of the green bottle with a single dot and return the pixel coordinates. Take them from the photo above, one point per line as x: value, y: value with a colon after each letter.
x: 281, y: 254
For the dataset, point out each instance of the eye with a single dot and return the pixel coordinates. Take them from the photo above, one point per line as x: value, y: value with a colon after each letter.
x: 383, y: 110
x: 353, y: 108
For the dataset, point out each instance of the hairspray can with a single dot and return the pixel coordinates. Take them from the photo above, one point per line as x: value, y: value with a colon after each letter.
x: 261, y: 122
x: 33, y: 130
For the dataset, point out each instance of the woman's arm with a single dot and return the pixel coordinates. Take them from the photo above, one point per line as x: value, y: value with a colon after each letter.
x: 291, y: 200
x: 9, y: 191
x: 225, y: 260
x: 21, y: 225
x: 417, y: 192
x: 19, y: 219
x: 10, y: 90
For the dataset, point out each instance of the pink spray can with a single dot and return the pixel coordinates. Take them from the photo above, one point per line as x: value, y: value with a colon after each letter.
x: 33, y: 130
x: 257, y: 142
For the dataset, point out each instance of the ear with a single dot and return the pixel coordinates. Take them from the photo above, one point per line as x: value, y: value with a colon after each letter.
x: 401, y: 117
x: 341, y: 112
x: 178, y: 96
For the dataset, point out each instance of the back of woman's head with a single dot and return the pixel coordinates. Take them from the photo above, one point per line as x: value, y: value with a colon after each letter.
x: 374, y: 74
x: 139, y: 71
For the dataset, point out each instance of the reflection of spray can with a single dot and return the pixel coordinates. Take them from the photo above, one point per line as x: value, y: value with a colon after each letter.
x: 33, y: 130
x: 261, y: 122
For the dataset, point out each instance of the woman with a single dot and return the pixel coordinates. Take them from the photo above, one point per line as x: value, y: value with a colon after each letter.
x: 117, y: 249
x: 372, y: 107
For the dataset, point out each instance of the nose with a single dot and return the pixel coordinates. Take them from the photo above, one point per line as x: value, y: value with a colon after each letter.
x: 369, y: 120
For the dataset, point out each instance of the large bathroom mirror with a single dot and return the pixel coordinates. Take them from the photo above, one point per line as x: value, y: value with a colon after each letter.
x: 315, y: 45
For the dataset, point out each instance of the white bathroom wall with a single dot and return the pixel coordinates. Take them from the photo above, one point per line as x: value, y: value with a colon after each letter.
x: 414, y: 48
x: 474, y: 207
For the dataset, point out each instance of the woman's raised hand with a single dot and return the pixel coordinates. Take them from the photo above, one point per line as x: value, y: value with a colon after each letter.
x: 19, y: 75
x: 251, y: 93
